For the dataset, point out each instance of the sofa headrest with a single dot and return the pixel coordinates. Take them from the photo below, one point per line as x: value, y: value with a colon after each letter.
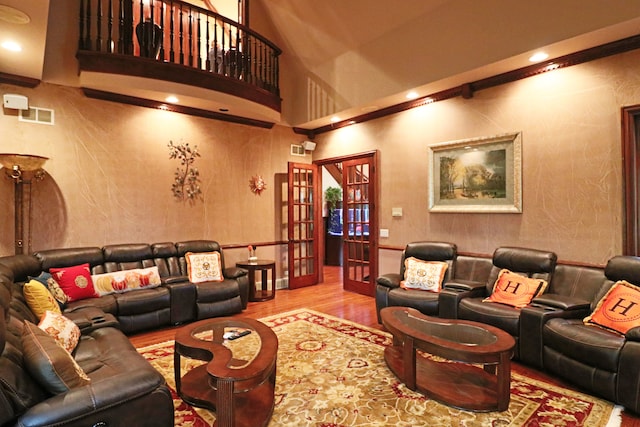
x: 127, y: 252
x: 70, y: 257
x: 21, y: 266
x: 164, y: 250
x: 431, y: 251
x: 623, y: 267
x: 525, y: 260
x: 197, y: 246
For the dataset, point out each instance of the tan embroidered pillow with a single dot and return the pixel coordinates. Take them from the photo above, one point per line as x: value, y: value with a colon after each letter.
x: 204, y: 267
x: 423, y: 275
x: 63, y: 330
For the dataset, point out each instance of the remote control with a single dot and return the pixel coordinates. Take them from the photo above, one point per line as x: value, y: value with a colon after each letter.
x: 235, y: 334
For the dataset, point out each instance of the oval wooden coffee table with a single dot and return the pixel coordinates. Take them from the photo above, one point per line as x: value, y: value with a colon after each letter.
x: 238, y: 382
x: 476, y: 374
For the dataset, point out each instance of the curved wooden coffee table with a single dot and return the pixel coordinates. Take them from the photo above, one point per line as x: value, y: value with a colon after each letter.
x: 238, y: 382
x: 480, y: 383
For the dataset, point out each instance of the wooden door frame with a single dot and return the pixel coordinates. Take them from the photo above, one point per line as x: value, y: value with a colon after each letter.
x: 630, y: 174
x: 317, y: 276
x: 373, y: 226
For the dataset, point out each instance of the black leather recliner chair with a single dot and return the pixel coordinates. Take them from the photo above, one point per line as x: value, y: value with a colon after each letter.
x: 388, y: 290
x: 604, y: 363
x: 464, y: 299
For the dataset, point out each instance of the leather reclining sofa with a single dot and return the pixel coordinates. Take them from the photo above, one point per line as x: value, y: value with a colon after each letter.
x: 124, y: 389
x: 550, y: 333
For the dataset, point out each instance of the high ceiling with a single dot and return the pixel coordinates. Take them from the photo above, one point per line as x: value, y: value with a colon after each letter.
x: 358, y: 55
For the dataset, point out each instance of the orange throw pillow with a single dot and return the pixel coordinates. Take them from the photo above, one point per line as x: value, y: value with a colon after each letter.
x: 618, y: 310
x: 516, y: 290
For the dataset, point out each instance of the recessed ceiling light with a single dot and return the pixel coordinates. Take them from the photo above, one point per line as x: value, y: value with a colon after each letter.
x: 335, y: 119
x: 538, y: 56
x: 172, y: 99
x: 12, y: 46
x: 412, y: 95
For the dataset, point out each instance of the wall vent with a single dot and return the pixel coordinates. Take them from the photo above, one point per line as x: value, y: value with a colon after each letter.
x: 297, y: 150
x: 43, y: 116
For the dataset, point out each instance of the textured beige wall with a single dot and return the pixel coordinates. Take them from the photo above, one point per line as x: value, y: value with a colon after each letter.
x: 109, y: 174
x: 571, y: 168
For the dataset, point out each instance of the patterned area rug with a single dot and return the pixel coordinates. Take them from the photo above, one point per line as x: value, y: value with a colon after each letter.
x: 331, y: 373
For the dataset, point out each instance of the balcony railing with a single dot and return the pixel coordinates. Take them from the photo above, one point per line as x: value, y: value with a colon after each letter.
x: 179, y: 33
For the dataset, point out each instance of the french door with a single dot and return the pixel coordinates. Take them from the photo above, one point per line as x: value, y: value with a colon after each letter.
x: 360, y: 227
x: 304, y: 259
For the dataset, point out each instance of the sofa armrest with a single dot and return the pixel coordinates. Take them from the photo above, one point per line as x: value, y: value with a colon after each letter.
x: 174, y: 279
x: 453, y: 292
x: 80, y: 406
x: 478, y: 288
x: 533, y: 318
x: 561, y: 302
x: 390, y: 280
x: 633, y: 334
x: 234, y: 272
x: 91, y: 318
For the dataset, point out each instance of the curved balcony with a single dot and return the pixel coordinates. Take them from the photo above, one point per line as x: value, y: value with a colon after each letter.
x: 140, y: 51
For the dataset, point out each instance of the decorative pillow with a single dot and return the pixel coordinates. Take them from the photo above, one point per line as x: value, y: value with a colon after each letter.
x: 619, y: 308
x: 55, y: 289
x: 126, y: 280
x: 39, y: 299
x: 516, y: 290
x: 75, y: 281
x: 204, y: 267
x: 63, y: 330
x: 50, y: 364
x: 423, y: 275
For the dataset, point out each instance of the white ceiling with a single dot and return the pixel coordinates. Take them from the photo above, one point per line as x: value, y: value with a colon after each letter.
x: 364, y: 54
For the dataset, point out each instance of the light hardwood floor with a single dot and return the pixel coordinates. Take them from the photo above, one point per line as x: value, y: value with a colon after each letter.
x: 330, y: 298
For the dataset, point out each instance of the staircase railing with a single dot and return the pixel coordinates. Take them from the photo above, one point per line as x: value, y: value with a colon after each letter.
x: 179, y: 33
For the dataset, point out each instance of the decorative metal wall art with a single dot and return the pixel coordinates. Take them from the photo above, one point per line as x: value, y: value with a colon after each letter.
x: 186, y: 186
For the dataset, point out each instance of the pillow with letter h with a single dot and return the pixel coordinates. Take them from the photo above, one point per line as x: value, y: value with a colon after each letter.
x: 515, y: 290
x: 618, y: 310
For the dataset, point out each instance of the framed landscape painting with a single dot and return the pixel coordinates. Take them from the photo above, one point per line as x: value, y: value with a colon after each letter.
x: 481, y: 175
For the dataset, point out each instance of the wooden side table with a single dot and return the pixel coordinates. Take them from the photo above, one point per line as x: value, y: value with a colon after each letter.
x: 263, y: 266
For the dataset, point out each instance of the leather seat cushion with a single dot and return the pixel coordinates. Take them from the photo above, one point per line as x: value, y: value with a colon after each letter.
x: 143, y: 301
x: 106, y: 303
x: 217, y: 291
x: 591, y: 345
x: 423, y: 301
x: 499, y: 315
x: 106, y: 352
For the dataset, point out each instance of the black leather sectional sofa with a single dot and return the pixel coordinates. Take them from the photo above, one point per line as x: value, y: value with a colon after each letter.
x: 550, y: 333
x: 124, y: 389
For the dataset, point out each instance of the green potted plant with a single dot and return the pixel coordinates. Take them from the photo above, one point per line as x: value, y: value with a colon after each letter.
x: 333, y: 198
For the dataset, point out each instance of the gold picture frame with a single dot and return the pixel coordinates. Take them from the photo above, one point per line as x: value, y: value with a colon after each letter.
x: 477, y: 175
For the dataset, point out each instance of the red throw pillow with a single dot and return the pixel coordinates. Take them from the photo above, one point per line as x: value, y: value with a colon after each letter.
x: 619, y: 309
x: 516, y: 290
x: 75, y: 281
